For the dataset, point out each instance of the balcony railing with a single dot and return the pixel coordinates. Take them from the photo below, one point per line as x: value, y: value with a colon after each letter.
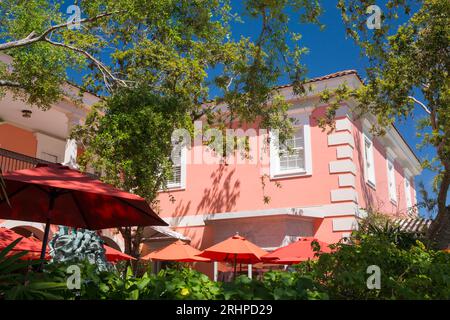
x: 10, y: 161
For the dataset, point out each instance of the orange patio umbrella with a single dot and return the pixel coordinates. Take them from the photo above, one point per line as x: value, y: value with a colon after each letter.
x: 178, y: 251
x: 113, y: 255
x: 234, y: 249
x: 31, y: 244
x: 296, y: 252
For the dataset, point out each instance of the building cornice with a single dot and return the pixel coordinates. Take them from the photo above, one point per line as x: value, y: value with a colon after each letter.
x: 308, y: 213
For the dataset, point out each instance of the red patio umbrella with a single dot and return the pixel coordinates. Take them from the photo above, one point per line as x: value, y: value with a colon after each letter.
x: 234, y: 249
x: 56, y: 194
x: 32, y: 245
x: 287, y: 260
x: 296, y: 252
x: 177, y: 251
x: 114, y: 255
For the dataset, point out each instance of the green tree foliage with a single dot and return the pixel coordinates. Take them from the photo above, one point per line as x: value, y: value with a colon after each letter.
x: 407, y: 77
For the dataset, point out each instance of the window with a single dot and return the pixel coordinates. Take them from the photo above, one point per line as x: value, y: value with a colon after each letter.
x: 294, y: 156
x: 391, y: 180
x: 369, y: 164
x: 408, y: 192
x: 292, y: 153
x: 178, y: 179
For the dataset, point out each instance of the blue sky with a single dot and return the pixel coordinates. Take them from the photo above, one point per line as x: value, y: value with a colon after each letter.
x: 330, y: 51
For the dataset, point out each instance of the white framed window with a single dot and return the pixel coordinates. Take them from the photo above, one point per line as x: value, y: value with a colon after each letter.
x: 294, y: 156
x: 178, y: 180
x: 408, y: 192
x: 391, y: 180
x: 369, y: 163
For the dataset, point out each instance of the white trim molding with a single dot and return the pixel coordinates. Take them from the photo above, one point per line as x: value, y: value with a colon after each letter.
x: 345, y: 224
x: 342, y: 166
x: 368, y: 159
x: 183, y: 165
x: 339, y: 138
x: 346, y: 180
x: 408, y: 193
x: 311, y: 212
x: 344, y: 152
x: 392, y: 187
x: 19, y: 223
x: 347, y: 194
x: 343, y: 125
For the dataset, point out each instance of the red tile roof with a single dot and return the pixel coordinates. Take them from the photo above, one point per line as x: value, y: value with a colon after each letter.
x: 413, y: 224
x: 326, y: 77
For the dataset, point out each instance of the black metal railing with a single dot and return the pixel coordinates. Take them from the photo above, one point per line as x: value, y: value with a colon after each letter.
x: 10, y: 161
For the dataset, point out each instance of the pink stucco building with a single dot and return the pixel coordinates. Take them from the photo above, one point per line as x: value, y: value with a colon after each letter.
x: 319, y: 189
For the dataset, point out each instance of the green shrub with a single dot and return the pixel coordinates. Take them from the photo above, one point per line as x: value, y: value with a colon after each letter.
x: 382, y: 226
x: 17, y: 282
x: 414, y: 273
x: 276, y: 285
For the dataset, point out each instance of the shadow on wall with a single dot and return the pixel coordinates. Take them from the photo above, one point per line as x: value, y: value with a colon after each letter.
x: 181, y: 210
x: 222, y: 193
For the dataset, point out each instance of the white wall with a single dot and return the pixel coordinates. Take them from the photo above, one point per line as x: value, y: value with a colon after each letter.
x: 49, y: 145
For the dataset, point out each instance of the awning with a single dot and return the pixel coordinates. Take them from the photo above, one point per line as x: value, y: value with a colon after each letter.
x: 413, y: 224
x: 157, y: 233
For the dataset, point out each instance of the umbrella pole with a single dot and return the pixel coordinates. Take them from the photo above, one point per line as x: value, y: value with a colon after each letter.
x: 51, y: 204
x: 235, y: 264
x: 44, y: 244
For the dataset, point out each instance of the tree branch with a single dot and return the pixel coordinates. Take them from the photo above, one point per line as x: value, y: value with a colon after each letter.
x: 32, y: 37
x: 424, y: 107
x: 103, y: 69
x: 7, y: 83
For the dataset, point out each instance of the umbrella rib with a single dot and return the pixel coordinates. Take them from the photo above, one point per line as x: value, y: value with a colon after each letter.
x: 15, y: 192
x: 59, y: 191
x: 79, y: 209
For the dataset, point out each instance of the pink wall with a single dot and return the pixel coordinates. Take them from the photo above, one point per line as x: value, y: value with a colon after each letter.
x: 214, y: 188
x: 323, y: 231
x: 18, y: 140
x: 378, y: 197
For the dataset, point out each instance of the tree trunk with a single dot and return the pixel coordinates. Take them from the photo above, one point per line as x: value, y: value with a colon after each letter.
x: 132, y: 237
x: 439, y: 231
